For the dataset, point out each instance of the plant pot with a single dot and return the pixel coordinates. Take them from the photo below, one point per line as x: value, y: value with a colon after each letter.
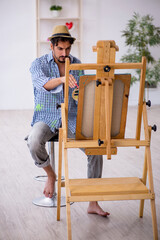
x: 150, y: 85
x: 55, y: 13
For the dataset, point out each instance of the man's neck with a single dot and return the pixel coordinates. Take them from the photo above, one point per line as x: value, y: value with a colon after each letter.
x: 61, y: 67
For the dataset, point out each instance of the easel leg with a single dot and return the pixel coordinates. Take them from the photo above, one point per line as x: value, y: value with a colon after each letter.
x: 154, y: 220
x: 68, y: 212
x: 153, y: 207
x: 59, y: 175
x: 144, y: 181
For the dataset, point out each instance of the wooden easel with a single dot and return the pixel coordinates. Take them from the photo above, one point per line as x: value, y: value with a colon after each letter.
x: 102, y: 139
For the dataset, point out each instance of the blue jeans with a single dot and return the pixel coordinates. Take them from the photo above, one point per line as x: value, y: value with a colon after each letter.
x: 36, y: 142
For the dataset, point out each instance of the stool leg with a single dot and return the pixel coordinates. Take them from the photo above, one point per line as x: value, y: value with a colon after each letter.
x: 51, y: 151
x: 45, y: 201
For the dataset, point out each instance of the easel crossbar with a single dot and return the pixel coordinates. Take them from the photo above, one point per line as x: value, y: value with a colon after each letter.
x: 93, y: 66
x: 114, y: 143
x: 111, y: 197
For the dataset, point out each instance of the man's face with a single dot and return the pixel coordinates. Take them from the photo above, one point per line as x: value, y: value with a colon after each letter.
x: 61, y: 51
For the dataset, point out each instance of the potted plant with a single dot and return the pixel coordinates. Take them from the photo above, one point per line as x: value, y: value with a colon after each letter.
x: 55, y: 10
x: 140, y: 35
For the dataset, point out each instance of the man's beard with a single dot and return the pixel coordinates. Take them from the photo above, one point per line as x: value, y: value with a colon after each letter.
x: 61, y: 61
x: 58, y: 59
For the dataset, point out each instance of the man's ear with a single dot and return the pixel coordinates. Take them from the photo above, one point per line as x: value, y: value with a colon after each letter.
x: 51, y: 45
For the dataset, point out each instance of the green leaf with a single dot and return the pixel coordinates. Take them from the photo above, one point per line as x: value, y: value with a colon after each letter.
x: 140, y: 35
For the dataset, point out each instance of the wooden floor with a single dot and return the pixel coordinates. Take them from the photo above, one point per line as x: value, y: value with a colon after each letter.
x: 21, y: 220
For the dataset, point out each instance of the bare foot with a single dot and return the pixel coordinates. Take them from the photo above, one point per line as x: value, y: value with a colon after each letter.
x: 49, y: 186
x: 94, y: 208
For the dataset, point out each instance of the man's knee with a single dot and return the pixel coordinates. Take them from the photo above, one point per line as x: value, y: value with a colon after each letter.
x: 33, y: 145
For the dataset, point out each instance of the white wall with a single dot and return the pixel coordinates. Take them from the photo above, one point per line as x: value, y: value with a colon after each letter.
x: 17, y: 50
x: 102, y: 20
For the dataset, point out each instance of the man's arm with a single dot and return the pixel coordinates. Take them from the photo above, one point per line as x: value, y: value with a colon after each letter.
x: 43, y: 82
x: 55, y: 82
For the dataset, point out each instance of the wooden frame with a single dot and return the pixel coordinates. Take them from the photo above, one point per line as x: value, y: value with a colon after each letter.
x: 90, y: 82
x: 106, y: 189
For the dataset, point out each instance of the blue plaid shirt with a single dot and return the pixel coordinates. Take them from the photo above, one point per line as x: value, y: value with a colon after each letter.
x: 42, y: 70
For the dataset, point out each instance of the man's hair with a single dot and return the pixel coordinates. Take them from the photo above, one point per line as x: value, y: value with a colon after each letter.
x: 55, y: 40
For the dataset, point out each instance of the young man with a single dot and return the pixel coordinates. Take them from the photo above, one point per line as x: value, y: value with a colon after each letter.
x: 48, y: 77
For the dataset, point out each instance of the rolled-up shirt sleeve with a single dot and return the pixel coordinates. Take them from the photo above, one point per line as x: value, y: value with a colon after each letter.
x: 40, y: 76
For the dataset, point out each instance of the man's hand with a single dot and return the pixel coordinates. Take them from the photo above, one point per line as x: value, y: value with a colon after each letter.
x: 72, y: 81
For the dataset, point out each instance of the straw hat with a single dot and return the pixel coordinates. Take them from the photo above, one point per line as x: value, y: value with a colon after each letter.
x: 61, y: 31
